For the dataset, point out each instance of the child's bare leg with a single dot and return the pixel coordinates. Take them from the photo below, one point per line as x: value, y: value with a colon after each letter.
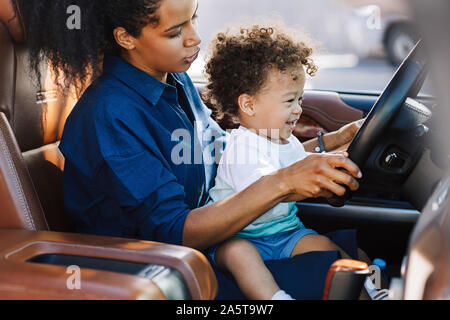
x: 316, y: 242
x: 244, y: 262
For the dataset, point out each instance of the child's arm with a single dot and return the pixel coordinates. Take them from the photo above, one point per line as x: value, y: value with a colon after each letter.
x: 337, y: 140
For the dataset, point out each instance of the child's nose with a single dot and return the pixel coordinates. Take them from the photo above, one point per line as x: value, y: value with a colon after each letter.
x: 298, y: 109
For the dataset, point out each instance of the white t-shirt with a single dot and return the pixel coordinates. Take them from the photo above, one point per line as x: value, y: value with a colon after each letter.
x: 248, y: 157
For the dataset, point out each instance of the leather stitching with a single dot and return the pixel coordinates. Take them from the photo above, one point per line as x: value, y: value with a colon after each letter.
x: 16, y: 180
x: 417, y: 110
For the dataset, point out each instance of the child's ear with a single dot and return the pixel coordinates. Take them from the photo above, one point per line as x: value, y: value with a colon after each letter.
x: 246, y: 104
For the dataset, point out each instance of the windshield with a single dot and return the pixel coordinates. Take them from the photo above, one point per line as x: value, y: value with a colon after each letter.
x: 358, y: 43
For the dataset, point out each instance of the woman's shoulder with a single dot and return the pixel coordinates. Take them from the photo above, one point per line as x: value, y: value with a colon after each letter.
x: 106, y: 107
x: 105, y: 100
x: 106, y: 91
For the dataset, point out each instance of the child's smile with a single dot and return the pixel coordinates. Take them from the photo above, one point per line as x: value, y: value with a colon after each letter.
x: 292, y: 124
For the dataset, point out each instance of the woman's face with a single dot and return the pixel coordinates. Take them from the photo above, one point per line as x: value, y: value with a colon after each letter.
x: 172, y: 45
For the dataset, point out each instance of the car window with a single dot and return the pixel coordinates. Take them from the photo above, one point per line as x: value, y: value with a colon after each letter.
x: 359, y: 43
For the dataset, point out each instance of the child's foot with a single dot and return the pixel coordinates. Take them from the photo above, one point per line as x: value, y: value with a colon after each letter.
x: 281, y: 295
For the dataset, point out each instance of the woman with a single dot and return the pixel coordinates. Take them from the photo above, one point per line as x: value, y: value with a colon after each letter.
x: 140, y: 145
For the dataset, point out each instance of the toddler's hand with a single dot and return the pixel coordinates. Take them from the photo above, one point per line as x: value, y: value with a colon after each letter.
x: 341, y: 152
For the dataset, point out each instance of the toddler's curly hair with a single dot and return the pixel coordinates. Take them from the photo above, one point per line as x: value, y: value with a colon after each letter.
x: 240, y: 61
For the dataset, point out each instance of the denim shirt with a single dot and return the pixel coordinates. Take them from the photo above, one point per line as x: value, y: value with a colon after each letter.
x: 135, y: 163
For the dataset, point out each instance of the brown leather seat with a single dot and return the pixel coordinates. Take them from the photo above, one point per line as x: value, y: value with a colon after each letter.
x: 33, y: 256
x: 36, y: 116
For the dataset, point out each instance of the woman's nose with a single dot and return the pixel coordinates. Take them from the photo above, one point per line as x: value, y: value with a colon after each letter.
x: 193, y: 38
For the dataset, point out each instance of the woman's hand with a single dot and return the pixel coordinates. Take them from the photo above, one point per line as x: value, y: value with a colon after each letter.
x: 318, y: 176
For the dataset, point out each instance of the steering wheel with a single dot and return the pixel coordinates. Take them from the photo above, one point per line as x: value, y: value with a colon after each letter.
x: 406, y: 82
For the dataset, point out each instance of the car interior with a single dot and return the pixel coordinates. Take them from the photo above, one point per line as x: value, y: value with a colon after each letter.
x: 38, y: 243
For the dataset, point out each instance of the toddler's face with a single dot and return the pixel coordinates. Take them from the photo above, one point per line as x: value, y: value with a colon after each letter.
x: 277, y: 105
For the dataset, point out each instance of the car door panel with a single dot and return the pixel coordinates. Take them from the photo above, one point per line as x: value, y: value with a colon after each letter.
x: 323, y: 111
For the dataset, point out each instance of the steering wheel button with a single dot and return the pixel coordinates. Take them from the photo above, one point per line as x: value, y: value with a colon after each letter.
x: 389, y: 160
x: 394, y: 161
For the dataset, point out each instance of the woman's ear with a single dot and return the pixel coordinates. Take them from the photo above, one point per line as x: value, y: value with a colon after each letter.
x: 123, y: 38
x: 246, y: 104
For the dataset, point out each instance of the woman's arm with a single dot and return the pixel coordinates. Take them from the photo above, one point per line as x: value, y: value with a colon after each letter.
x: 315, y: 176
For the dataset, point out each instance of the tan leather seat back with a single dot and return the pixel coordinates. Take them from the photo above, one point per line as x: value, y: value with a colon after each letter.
x: 36, y: 116
x: 20, y: 205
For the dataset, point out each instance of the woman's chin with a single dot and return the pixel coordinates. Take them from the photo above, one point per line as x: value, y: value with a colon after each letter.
x: 180, y: 68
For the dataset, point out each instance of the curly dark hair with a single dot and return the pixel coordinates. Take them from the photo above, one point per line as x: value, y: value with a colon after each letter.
x: 240, y: 61
x: 77, y: 53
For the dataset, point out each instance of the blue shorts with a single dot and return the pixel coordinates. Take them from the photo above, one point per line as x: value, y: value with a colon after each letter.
x: 277, y: 246
x: 303, y: 276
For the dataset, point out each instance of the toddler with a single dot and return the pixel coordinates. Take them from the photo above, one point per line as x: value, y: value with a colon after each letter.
x: 258, y: 75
